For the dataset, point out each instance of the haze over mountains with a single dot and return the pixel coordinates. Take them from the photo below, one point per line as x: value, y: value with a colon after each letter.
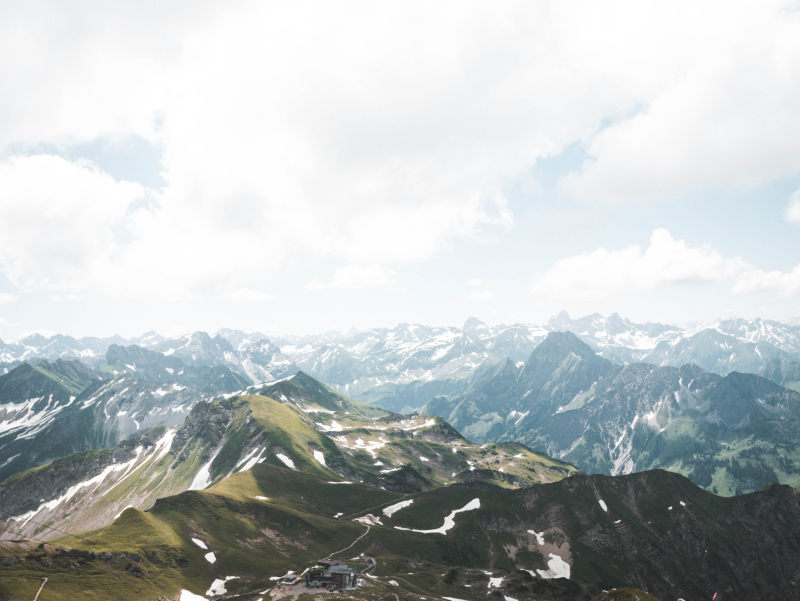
x: 363, y: 360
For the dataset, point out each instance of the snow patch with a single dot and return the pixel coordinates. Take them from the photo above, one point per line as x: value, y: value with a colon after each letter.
x: 369, y: 520
x: 218, y: 586
x: 449, y: 520
x: 289, y: 463
x: 210, y: 558
x: 558, y: 568
x: 189, y: 596
x: 200, y: 543
x: 202, y: 479
x: 392, y: 509
x: 539, y: 536
x: 603, y: 505
x: 495, y: 582
x: 320, y: 458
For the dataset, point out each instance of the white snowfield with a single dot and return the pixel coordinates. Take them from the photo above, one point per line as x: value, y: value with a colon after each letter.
x: 200, y: 543
x: 449, y: 520
x: 23, y: 417
x: 495, y: 582
x: 392, y: 509
x: 202, y: 479
x: 210, y: 558
x: 125, y: 470
x: 190, y: 596
x: 539, y: 536
x: 218, y: 586
x: 558, y: 568
x: 249, y: 460
x: 320, y: 458
x: 369, y: 520
x: 603, y: 505
x: 286, y: 460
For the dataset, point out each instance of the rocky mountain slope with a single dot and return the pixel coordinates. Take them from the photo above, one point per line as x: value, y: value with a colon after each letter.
x: 296, y: 423
x: 56, y: 408
x: 730, y: 434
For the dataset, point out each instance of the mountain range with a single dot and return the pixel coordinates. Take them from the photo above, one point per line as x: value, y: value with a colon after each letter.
x: 260, y: 483
x: 374, y: 361
x: 585, y: 459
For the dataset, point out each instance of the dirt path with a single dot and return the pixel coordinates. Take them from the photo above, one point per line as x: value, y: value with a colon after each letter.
x: 351, y: 545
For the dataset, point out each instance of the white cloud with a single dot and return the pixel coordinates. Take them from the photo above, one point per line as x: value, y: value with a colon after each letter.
x: 729, y: 121
x: 357, y: 277
x: 481, y: 295
x: 368, y: 133
x: 777, y: 282
x: 793, y: 210
x: 665, y: 262
x: 58, y: 220
x: 6, y: 297
x: 371, y: 133
x: 248, y: 295
x: 480, y: 290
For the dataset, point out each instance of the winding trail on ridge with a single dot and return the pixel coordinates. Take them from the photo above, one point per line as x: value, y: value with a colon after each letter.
x: 358, y: 538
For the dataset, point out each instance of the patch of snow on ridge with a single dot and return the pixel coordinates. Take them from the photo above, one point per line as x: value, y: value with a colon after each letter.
x: 202, y: 479
x: 334, y: 427
x: 392, y: 509
x: 449, y: 520
x: 289, y: 463
x: 320, y: 458
x: 369, y: 520
x: 190, y: 596
x: 558, y: 568
x: 603, y: 505
x: 200, y: 543
x: 495, y: 582
x: 428, y: 423
x: 539, y: 536
x: 75, y: 488
x: 218, y: 586
x: 253, y: 460
x: 210, y: 558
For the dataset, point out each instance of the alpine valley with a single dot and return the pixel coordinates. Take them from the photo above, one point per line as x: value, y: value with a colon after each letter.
x: 587, y: 459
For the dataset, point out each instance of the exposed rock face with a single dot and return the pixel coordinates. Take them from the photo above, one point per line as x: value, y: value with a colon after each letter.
x: 730, y: 434
x: 25, y: 492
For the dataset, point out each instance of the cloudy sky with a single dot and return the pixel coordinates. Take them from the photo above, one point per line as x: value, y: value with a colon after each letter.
x: 296, y: 167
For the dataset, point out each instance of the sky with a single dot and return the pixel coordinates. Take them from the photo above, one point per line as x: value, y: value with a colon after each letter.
x: 306, y: 166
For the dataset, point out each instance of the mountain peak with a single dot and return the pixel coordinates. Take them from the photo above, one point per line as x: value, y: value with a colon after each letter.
x: 560, y: 344
x: 473, y: 324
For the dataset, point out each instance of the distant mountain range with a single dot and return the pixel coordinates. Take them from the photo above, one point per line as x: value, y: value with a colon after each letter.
x: 611, y: 397
x: 376, y: 361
